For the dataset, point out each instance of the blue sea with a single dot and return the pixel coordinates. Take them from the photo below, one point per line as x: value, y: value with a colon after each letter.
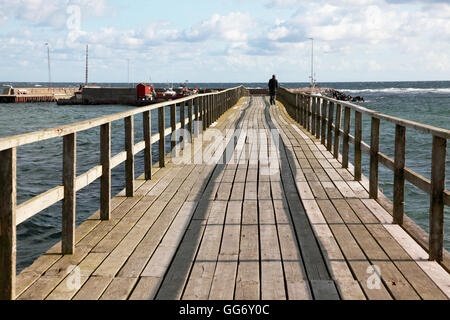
x: 39, y: 164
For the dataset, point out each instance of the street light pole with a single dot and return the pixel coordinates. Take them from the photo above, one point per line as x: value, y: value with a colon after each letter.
x: 312, y: 63
x: 49, y: 68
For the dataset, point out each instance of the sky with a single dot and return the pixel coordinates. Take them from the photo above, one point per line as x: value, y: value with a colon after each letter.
x: 225, y: 40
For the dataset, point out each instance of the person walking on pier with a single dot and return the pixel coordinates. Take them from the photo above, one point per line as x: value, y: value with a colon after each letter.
x: 273, y: 86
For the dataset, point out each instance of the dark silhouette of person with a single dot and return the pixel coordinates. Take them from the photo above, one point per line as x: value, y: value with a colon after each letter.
x: 273, y: 86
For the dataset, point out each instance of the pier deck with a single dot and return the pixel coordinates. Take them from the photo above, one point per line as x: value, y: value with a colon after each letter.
x: 300, y: 229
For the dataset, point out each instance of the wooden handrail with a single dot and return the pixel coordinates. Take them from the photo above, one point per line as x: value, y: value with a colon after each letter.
x: 207, y: 107
x: 331, y: 128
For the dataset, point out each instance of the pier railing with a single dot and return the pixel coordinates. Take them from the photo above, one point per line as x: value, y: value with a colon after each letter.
x: 330, y: 121
x: 205, y: 108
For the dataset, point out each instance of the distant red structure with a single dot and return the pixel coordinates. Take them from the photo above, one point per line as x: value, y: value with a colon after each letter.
x: 145, y: 91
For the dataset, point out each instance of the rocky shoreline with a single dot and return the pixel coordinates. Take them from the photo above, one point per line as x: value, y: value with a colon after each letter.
x: 330, y: 93
x: 335, y: 94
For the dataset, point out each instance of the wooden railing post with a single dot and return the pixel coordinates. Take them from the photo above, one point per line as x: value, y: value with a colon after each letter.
x: 197, y: 116
x: 330, y: 126
x: 346, y: 138
x: 162, y: 138
x: 173, y: 125
x: 358, y: 140
x: 105, y: 181
x: 323, y: 131
x: 70, y: 197
x: 399, y: 173
x: 190, y: 118
x: 183, y: 123
x: 309, y: 123
x: 313, y: 115
x: 437, y: 198
x: 374, y: 149
x: 148, y: 159
x: 337, y: 131
x: 318, y: 104
x: 204, y: 112
x: 129, y: 164
x: 8, y: 199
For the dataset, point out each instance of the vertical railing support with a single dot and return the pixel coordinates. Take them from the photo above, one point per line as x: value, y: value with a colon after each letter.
x: 437, y: 198
x: 148, y: 159
x: 346, y: 138
x: 313, y: 115
x: 318, y: 103
x: 162, y: 138
x: 190, y: 118
x: 8, y: 199
x: 374, y: 150
x: 337, y: 131
x: 129, y: 164
x: 105, y: 181
x: 183, y: 123
x: 173, y: 125
x: 358, y: 140
x: 323, y: 131
x: 330, y: 126
x: 70, y: 197
x: 399, y: 174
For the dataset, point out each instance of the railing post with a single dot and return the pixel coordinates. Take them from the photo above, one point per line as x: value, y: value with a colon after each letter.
x: 346, y: 138
x: 297, y: 109
x: 183, y: 123
x: 173, y: 125
x: 162, y: 138
x: 147, y: 119
x: 190, y: 117
x: 399, y: 173
x: 437, y: 198
x: 374, y: 149
x: 70, y: 197
x: 358, y: 140
x: 308, y: 124
x: 313, y: 115
x: 197, y: 116
x: 105, y: 181
x: 337, y: 131
x: 330, y: 126
x: 204, y: 112
x: 300, y: 111
x: 323, y: 131
x: 317, y: 116
x: 129, y: 164
x: 8, y: 199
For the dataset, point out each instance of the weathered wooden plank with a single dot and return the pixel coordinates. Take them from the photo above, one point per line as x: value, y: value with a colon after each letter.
x: 248, y: 277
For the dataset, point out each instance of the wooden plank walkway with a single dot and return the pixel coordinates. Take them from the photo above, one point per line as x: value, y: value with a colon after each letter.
x: 281, y: 221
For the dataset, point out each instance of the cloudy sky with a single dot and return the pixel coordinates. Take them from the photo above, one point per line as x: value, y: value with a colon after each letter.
x: 225, y: 40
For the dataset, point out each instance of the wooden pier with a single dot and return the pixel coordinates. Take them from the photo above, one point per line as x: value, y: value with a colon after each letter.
x: 264, y: 206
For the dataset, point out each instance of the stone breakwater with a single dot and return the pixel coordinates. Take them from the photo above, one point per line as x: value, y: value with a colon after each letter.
x: 330, y: 93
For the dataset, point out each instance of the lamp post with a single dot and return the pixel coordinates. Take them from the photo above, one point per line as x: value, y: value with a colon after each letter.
x: 49, y: 68
x: 312, y: 63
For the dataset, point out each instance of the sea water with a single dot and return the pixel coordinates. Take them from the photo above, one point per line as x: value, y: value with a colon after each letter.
x: 40, y: 164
